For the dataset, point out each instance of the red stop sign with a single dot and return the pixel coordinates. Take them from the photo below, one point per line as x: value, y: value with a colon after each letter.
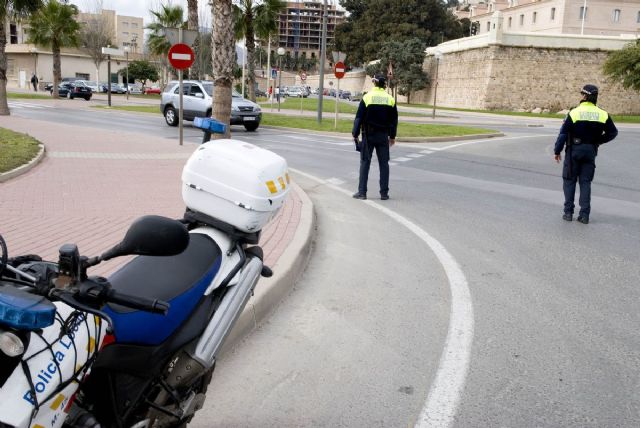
x: 181, y: 56
x: 339, y: 70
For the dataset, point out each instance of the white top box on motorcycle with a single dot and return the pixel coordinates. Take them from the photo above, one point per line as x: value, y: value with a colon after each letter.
x: 235, y: 182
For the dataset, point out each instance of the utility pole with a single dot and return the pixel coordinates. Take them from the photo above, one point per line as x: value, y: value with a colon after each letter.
x: 323, y: 54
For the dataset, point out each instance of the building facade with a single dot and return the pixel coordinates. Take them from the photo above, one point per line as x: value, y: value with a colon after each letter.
x: 125, y: 31
x: 590, y: 17
x: 501, y: 70
x: 300, y: 27
x: 23, y: 59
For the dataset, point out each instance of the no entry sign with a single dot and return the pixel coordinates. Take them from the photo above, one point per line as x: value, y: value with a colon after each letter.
x: 181, y: 56
x: 339, y: 70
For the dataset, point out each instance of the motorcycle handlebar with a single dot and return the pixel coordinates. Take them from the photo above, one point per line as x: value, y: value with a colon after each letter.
x: 150, y: 305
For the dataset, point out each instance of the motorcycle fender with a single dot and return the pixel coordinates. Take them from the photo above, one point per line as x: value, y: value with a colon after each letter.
x: 49, y: 367
x: 229, y: 259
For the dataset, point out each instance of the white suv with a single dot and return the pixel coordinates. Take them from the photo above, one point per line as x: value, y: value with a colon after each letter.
x: 197, y: 99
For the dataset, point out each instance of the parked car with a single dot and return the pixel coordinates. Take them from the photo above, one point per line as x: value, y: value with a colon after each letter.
x: 197, y: 100
x: 153, y: 90
x: 134, y: 89
x: 295, y: 91
x: 116, y: 88
x: 332, y: 92
x: 357, y: 96
x: 73, y: 90
x: 260, y: 93
x: 345, y: 95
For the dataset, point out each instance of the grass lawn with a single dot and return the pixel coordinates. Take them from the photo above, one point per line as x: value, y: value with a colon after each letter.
x: 616, y: 118
x: 29, y: 95
x: 344, y: 125
x: 16, y: 149
x: 310, y: 104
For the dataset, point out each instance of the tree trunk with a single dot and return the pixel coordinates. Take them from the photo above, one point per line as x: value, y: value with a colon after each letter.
x: 250, y: 46
x: 57, y: 71
x: 192, y: 24
x: 192, y: 13
x: 222, y: 58
x: 4, y: 106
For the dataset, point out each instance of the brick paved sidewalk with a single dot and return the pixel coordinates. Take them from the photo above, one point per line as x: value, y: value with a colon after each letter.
x: 91, y: 185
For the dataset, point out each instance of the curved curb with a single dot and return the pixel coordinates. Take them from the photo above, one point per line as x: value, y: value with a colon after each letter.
x: 5, y: 176
x: 445, y: 138
x: 271, y: 291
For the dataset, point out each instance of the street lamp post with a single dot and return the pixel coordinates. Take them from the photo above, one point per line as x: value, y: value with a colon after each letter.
x: 126, y: 53
x: 438, y: 56
x: 280, y: 55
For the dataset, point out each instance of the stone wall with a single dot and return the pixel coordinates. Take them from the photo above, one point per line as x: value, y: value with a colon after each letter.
x: 524, y: 78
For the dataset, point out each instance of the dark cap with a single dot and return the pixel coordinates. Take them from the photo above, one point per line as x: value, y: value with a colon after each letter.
x: 589, y: 90
x: 379, y: 79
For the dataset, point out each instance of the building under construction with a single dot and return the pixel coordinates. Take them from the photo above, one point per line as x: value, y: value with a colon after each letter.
x: 301, y: 27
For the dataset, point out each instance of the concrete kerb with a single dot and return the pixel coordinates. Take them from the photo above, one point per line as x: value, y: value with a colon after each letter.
x: 24, y: 168
x: 269, y: 292
x: 398, y: 139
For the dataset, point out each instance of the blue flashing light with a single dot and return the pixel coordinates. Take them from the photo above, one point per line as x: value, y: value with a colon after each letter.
x: 25, y: 311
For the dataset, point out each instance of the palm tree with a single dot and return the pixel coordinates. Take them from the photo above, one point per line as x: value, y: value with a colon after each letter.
x: 192, y: 14
x: 55, y: 26
x: 255, y: 18
x: 222, y: 59
x: 169, y: 16
x: 8, y: 10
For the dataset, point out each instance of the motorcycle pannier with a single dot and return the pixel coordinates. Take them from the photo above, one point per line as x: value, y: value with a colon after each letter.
x: 235, y: 182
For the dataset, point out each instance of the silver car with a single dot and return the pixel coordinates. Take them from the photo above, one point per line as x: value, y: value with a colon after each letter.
x: 197, y: 99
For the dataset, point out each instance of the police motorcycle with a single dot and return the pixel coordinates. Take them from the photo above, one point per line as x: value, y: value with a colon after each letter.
x: 138, y: 349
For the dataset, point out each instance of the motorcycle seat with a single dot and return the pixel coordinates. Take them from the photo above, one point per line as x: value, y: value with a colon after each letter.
x: 180, y: 280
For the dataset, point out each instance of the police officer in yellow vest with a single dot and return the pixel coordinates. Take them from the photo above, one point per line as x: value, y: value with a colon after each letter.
x: 377, y: 117
x: 585, y: 128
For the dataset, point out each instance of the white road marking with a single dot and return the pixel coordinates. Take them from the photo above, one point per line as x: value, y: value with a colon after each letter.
x: 487, y: 140
x: 19, y: 105
x: 401, y: 159
x: 414, y: 155
x: 446, y: 389
x: 392, y: 164
x: 335, y: 181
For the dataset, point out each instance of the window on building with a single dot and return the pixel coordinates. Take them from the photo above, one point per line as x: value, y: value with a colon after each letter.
x: 11, y: 67
x: 535, y: 16
x: 488, y: 26
x: 82, y: 76
x: 134, y: 25
x: 125, y: 34
x: 553, y: 13
x: 125, y: 24
x: 638, y: 18
x: 616, y: 15
x: 510, y: 19
x: 583, y: 12
x: 521, y: 20
x: 13, y: 31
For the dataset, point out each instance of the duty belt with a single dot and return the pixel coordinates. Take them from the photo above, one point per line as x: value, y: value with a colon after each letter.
x: 577, y: 141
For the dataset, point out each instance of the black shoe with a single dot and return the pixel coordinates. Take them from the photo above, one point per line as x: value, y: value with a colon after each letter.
x: 568, y: 217
x: 384, y: 196
x: 359, y: 195
x: 583, y: 219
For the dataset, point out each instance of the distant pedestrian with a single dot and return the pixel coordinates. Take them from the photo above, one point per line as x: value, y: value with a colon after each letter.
x: 270, y: 91
x: 585, y: 128
x: 278, y: 93
x: 34, y: 82
x: 377, y: 118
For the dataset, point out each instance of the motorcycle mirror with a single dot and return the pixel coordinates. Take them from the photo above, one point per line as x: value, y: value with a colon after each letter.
x: 151, y: 235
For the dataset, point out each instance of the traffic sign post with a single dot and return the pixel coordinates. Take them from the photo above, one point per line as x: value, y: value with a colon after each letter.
x: 180, y: 57
x: 339, y: 70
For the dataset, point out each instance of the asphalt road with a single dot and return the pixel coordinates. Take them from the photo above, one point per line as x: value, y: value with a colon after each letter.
x: 366, y: 337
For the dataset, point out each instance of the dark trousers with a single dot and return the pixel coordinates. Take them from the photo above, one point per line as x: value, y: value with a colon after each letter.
x: 579, y: 166
x: 380, y: 143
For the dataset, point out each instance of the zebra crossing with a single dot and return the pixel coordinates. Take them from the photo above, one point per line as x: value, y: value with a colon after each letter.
x: 26, y: 105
